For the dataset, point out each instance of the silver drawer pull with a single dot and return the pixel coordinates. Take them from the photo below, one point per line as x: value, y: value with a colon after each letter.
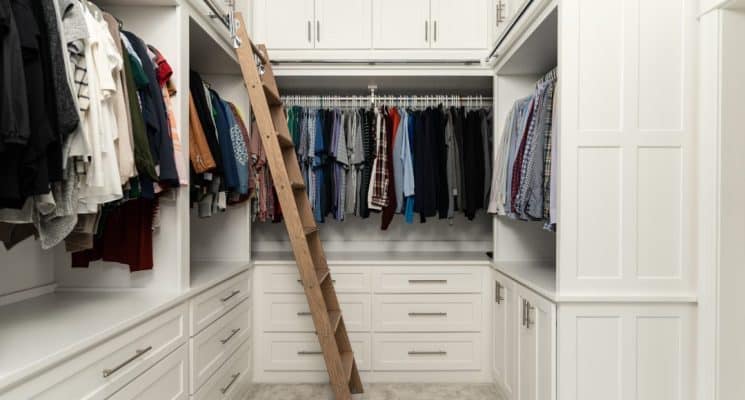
x: 428, y: 353
x: 139, y: 353
x: 443, y: 281
x: 308, y: 353
x: 428, y: 314
x: 300, y: 281
x: 232, y: 381
x: 233, y: 333
x: 235, y: 293
x: 303, y: 313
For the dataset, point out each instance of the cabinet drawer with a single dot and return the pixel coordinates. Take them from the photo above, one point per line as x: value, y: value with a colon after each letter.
x: 427, y: 352
x: 210, y: 305
x: 231, y: 380
x: 98, y: 373
x: 290, y: 313
x: 211, y: 347
x: 165, y: 381
x: 427, y: 313
x: 427, y: 280
x: 301, y: 352
x: 346, y: 280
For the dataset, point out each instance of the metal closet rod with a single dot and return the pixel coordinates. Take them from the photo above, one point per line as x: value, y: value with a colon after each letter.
x: 387, y: 97
x: 216, y: 13
x: 379, y: 62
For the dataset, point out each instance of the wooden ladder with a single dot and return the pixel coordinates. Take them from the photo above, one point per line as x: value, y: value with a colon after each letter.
x: 298, y: 216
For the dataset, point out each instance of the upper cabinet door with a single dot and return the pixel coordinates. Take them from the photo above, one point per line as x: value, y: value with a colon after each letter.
x: 343, y: 24
x: 401, y: 24
x: 460, y: 24
x: 289, y: 24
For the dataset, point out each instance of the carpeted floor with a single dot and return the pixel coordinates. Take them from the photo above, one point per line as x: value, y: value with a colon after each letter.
x: 379, y: 391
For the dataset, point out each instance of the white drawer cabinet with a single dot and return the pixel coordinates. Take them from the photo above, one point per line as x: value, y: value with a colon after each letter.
x: 213, y: 346
x: 427, y: 313
x: 167, y: 380
x: 285, y: 279
x: 290, y: 313
x: 100, y: 372
x: 427, y: 352
x: 301, y: 352
x: 210, y: 305
x: 427, y: 280
x: 231, y: 380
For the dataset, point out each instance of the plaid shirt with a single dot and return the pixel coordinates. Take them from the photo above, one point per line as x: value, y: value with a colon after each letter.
x: 381, y: 176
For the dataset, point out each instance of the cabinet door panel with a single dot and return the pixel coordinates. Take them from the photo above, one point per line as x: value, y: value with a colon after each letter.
x: 536, y: 346
x: 505, y: 328
x: 401, y: 24
x: 289, y: 24
x: 343, y: 24
x: 459, y: 24
x: 527, y: 351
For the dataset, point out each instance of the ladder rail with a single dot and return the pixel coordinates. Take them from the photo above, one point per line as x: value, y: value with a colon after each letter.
x: 304, y: 238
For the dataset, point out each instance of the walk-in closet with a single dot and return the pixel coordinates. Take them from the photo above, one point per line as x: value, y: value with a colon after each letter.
x: 371, y: 199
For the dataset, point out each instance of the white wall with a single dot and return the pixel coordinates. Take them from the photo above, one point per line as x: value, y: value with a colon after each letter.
x: 26, y: 266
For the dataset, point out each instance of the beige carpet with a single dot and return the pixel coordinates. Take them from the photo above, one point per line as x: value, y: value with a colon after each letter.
x: 379, y: 391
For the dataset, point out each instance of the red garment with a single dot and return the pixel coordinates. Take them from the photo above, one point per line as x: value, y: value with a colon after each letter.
x: 517, y: 167
x: 127, y: 237
x: 392, y: 122
x: 163, y: 70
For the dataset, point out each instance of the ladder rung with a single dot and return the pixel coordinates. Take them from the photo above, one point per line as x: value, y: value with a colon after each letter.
x: 285, y: 142
x: 259, y: 53
x: 272, y: 97
x: 322, y: 274
x: 347, y: 360
x: 298, y: 186
x: 334, y: 319
x: 310, y: 229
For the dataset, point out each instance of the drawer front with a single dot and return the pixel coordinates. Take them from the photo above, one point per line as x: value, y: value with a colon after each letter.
x: 301, y: 352
x: 427, y: 352
x: 427, y: 280
x: 427, y: 313
x: 211, y: 347
x: 98, y: 373
x: 165, y: 381
x: 290, y: 313
x: 210, y: 305
x: 346, y: 280
x: 231, y: 380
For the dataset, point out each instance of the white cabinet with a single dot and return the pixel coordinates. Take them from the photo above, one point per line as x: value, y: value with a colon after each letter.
x: 505, y: 331
x: 459, y: 25
x: 535, y: 346
x: 288, y: 24
x: 437, y: 24
x: 343, y: 24
x: 401, y: 24
x: 320, y: 24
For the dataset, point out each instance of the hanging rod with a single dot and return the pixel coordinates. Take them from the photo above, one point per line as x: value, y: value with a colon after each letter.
x: 216, y: 13
x: 503, y: 36
x: 380, y: 62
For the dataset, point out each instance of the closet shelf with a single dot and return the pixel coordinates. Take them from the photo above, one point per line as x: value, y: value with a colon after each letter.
x: 40, y: 332
x: 205, y: 274
x: 539, y: 277
x: 383, y: 258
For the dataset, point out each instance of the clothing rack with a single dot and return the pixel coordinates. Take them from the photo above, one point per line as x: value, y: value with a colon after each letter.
x: 392, y: 100
x: 549, y: 76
